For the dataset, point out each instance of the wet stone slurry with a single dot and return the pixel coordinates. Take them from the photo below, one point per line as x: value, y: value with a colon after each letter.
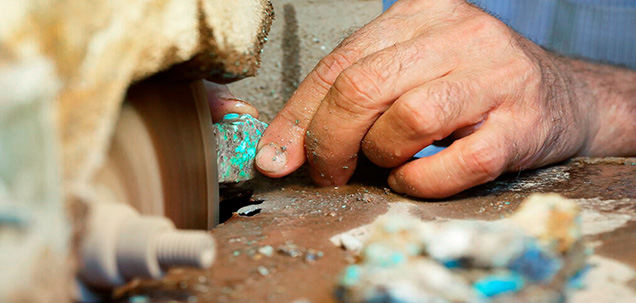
x: 283, y: 253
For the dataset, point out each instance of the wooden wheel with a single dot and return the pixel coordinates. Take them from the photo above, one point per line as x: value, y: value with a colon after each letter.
x: 162, y: 158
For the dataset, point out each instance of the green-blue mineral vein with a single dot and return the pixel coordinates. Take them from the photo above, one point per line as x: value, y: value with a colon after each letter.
x: 237, y: 137
x: 497, y: 284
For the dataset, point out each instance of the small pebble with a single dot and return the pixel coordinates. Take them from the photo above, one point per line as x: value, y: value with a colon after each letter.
x: 266, y: 250
x: 226, y: 290
x: 351, y: 243
x: 290, y: 249
x: 313, y: 255
x: 202, y: 288
x: 234, y: 240
x: 263, y: 271
x: 139, y: 299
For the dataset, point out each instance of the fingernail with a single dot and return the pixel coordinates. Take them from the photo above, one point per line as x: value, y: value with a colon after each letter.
x: 271, y: 158
x: 224, y: 93
x: 226, y: 97
x: 244, y: 107
x: 394, y: 184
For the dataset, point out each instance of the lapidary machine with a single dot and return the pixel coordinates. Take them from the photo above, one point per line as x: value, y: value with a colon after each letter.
x: 107, y: 150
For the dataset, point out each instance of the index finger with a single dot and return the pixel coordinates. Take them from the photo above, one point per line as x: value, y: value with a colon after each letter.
x: 281, y: 149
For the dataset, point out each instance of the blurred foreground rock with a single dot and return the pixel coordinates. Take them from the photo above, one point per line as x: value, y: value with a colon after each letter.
x: 65, y: 66
x: 537, y: 255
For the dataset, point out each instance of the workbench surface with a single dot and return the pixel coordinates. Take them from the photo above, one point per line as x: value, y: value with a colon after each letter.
x: 300, y: 219
x: 297, y: 220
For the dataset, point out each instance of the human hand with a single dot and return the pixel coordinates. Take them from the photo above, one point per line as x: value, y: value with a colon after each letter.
x: 223, y: 102
x: 423, y: 71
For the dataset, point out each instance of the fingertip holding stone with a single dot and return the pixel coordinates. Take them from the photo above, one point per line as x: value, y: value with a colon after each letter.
x: 271, y: 158
x: 222, y: 106
x: 322, y: 179
x: 395, y: 184
x: 236, y: 139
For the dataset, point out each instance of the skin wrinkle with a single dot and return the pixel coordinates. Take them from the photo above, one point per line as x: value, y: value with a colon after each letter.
x: 332, y: 64
x: 418, y: 129
x: 447, y: 94
x: 353, y: 109
x: 550, y: 81
x: 485, y: 163
x: 450, y: 112
x: 364, y: 80
x: 570, y: 83
x: 608, y: 85
x: 325, y: 79
x: 557, y: 133
x: 422, y: 126
x: 365, y: 61
x: 536, y: 108
x: 292, y: 117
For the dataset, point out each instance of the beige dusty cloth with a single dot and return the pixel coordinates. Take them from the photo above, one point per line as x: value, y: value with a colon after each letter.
x: 65, y: 66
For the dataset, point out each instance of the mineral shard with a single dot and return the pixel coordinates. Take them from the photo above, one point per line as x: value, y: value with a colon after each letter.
x: 237, y: 137
x: 535, y: 256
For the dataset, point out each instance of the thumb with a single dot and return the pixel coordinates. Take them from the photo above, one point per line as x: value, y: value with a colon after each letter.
x: 223, y: 102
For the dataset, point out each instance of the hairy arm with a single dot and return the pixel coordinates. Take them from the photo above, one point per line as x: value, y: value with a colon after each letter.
x: 611, y: 93
x: 446, y: 69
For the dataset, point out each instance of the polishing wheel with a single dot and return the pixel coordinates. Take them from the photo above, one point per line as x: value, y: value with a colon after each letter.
x: 162, y: 158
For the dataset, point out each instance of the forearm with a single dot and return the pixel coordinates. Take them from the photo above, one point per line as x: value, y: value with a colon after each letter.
x: 608, y: 94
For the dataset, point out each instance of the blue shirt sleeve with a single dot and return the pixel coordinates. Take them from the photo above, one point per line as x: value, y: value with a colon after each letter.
x: 600, y: 30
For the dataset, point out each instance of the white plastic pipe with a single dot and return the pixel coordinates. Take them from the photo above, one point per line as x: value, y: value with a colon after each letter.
x: 120, y: 245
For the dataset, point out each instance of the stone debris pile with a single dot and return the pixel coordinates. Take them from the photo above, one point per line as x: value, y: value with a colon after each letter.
x: 536, y: 255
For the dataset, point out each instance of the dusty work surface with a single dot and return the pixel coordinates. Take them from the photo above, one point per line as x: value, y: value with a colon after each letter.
x: 303, y: 33
x: 279, y: 249
x: 282, y: 253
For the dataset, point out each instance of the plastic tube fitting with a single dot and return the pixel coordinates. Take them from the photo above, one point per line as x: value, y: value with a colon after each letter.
x: 120, y: 245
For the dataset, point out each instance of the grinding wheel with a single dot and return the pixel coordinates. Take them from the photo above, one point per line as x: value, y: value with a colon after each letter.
x: 162, y: 158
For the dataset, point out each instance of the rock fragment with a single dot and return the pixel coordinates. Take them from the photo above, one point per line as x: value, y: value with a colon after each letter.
x: 237, y: 137
x: 520, y: 259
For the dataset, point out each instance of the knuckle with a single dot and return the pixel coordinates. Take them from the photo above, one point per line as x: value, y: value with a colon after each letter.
x: 357, y: 91
x: 487, y: 26
x: 298, y: 120
x: 328, y: 69
x: 417, y: 121
x: 531, y: 71
x: 432, y: 108
x: 375, y: 152
x: 485, y: 32
x: 380, y: 64
x: 446, y: 98
x: 483, y: 160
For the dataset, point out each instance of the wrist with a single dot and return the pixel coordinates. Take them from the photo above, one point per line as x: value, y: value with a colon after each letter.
x: 609, y: 95
x: 579, y: 95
